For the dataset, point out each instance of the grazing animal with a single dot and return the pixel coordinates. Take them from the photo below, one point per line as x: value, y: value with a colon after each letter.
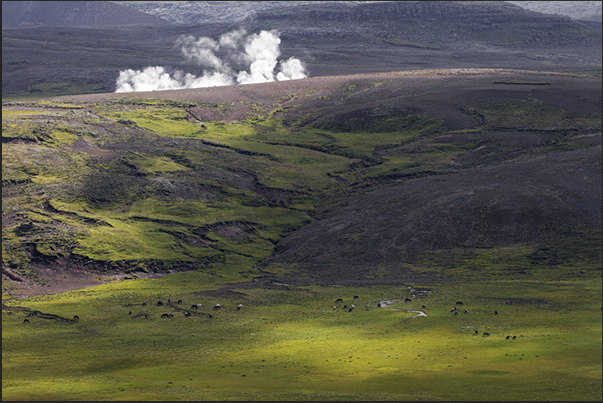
x: 407, y: 300
x: 170, y: 315
x: 144, y: 304
x: 465, y: 311
x: 193, y: 306
x: 356, y: 297
x: 146, y: 316
x: 239, y: 307
x: 334, y: 307
x: 26, y: 321
x: 187, y: 314
x: 130, y: 313
x: 339, y: 300
x: 508, y: 337
x: 459, y: 303
x: 456, y: 312
x: 423, y: 306
x: 210, y: 315
x: 476, y: 332
x: 169, y: 302
x: 179, y: 301
x: 514, y: 337
x: 508, y: 302
x: 159, y: 303
x: 75, y: 317
x: 165, y: 315
x: 345, y: 306
x: 486, y: 334
x: 351, y: 309
x: 217, y: 306
x: 453, y: 310
x: 495, y: 312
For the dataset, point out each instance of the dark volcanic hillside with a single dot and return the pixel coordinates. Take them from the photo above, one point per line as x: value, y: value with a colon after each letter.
x: 371, y: 178
x: 515, y: 183
x: 72, y: 14
x: 528, y: 201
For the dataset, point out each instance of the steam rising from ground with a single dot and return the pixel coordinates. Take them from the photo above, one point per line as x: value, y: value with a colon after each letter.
x: 235, y: 58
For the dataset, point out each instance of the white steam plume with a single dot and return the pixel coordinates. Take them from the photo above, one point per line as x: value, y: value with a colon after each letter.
x: 291, y: 69
x: 258, y: 53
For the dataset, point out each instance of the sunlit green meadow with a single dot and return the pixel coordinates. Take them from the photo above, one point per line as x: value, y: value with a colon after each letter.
x: 289, y: 343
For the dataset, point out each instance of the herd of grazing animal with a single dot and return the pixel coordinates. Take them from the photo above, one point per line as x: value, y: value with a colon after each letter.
x: 454, y: 310
x: 49, y: 316
x: 159, y: 303
x: 350, y: 308
x: 189, y: 312
x: 484, y: 334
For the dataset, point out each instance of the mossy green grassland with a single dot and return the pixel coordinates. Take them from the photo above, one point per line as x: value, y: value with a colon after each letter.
x: 288, y: 343
x: 232, y: 196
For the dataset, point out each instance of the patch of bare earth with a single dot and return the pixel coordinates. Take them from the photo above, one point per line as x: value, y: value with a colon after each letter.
x: 102, y: 155
x: 58, y: 277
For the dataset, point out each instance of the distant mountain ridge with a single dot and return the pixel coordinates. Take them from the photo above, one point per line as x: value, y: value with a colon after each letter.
x: 111, y: 13
x: 431, y: 24
x: 197, y: 12
x: 200, y: 12
x: 73, y: 14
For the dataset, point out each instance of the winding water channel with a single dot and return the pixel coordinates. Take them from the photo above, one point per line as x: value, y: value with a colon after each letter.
x: 415, y: 293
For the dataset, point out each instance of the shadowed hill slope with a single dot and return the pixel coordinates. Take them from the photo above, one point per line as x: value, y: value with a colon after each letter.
x: 529, y: 201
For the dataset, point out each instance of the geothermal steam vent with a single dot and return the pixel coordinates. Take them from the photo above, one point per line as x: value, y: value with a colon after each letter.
x: 235, y: 58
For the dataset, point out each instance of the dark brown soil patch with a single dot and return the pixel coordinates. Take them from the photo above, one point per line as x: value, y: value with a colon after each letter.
x: 223, y: 292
